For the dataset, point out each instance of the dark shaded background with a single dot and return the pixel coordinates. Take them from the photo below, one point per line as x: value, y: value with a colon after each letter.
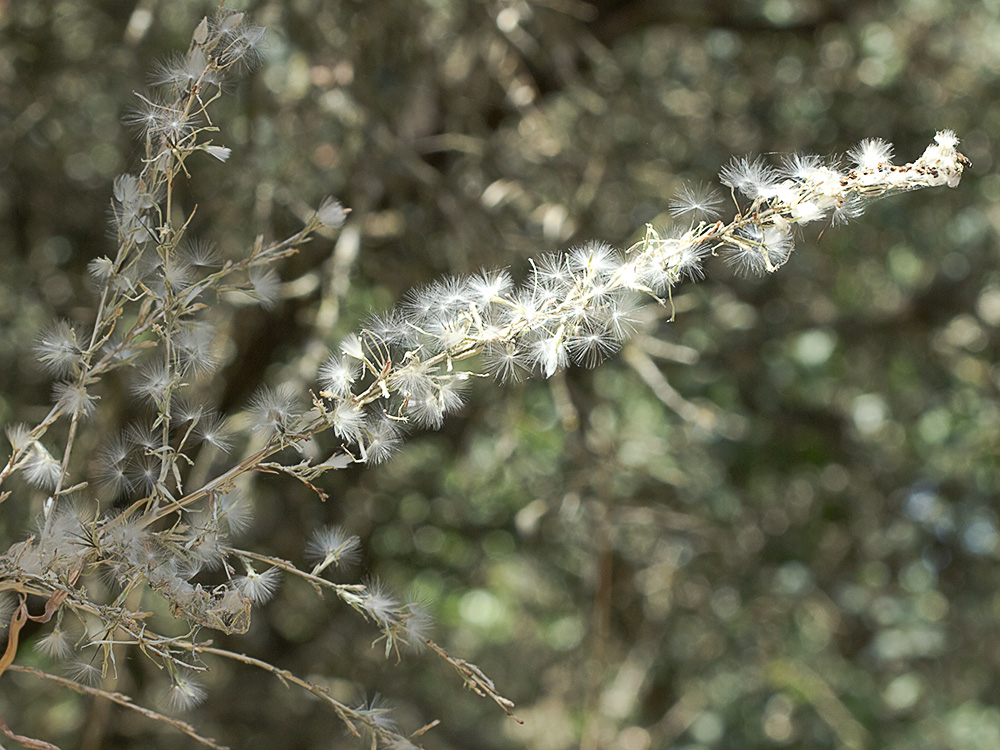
x: 771, y: 522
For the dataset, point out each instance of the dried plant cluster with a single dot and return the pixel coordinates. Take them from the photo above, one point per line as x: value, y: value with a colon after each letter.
x: 155, y: 526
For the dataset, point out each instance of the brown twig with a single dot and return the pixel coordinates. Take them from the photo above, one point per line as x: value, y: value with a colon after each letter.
x: 476, y: 680
x: 119, y: 698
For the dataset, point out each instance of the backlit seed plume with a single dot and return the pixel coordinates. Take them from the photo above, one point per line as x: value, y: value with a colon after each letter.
x: 407, y: 366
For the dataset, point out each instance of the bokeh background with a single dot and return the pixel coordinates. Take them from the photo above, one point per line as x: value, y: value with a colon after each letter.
x: 770, y: 522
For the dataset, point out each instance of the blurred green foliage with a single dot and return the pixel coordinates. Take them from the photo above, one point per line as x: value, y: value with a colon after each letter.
x: 799, y: 548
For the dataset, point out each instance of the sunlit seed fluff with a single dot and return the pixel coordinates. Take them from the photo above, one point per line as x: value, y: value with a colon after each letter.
x: 390, y: 329
x: 41, y: 468
x: 56, y: 644
x: 219, y: 152
x: 184, y: 693
x: 752, y: 177
x: 200, y: 254
x: 274, y: 410
x: 74, y: 399
x: 182, y: 70
x: 443, y: 300
x: 266, y: 286
x: 19, y: 436
x: 348, y: 420
x: 593, y: 259
x: 195, y: 348
x: 415, y: 378
x: 871, y: 153
x: 351, y: 346
x: 235, y: 512
x: 487, y: 286
x: 258, y: 587
x: 142, y: 473
x: 213, y: 429
x: 589, y: 348
x: 419, y: 305
x: 417, y: 624
x: 331, y: 213
x: 941, y: 164
x: 668, y: 260
x: 528, y: 308
x: 746, y: 256
x: 946, y: 139
x: 549, y: 353
x: 777, y: 246
x: 505, y: 361
x: 451, y: 391
x: 847, y: 210
x: 381, y: 605
x: 337, y: 375
x: 577, y: 306
x: 58, y: 348
x: 805, y: 211
x: 586, y: 308
x: 332, y: 545
x: 800, y: 167
x: 620, y: 323
x: 823, y: 186
x: 380, y: 439
x: 696, y: 201
x: 551, y: 273
x: 152, y: 382
x: 425, y: 410
x: 111, y: 461
x: 449, y: 335
x: 378, y: 711
x: 84, y: 672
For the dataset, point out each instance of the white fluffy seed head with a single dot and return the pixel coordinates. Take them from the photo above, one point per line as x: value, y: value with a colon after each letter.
x: 58, y: 348
x: 273, y: 410
x: 331, y: 213
x: 594, y: 259
x: 338, y: 374
x: 505, y: 361
x: 57, y: 644
x: 487, y: 286
x: 333, y: 545
x: 41, y: 468
x: 871, y: 153
x: 696, y: 201
x: 425, y: 410
x: 348, y: 420
x: 752, y: 177
x: 184, y: 693
x: 946, y: 139
x: 800, y: 167
x: 73, y: 398
x: 258, y: 587
x: 549, y: 353
x: 589, y: 347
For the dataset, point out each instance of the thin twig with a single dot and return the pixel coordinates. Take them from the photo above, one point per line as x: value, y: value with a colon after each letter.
x: 476, y: 680
x: 121, y: 700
